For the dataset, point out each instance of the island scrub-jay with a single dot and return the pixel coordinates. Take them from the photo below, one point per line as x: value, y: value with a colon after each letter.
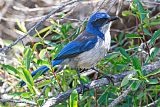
x: 88, y: 48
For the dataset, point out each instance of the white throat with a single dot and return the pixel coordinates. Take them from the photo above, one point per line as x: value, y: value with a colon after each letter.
x: 106, y: 31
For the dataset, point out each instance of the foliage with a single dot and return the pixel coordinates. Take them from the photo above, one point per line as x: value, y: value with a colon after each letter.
x: 145, y: 88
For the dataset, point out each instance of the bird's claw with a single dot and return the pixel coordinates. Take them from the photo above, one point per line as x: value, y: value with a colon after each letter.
x: 109, y: 78
x: 83, y: 88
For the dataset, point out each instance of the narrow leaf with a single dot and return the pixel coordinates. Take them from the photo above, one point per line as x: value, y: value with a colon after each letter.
x: 27, y: 57
x: 124, y: 53
x: 141, y: 10
x: 74, y: 99
x: 102, y: 98
x: 126, y: 79
x: 28, y: 78
x: 126, y: 13
x: 137, y: 65
x: 135, y: 85
x: 133, y: 36
x: 10, y: 69
x: 155, y: 36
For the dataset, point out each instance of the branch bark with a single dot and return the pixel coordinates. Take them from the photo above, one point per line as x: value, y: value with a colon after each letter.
x: 120, y: 98
x: 18, y: 101
x: 98, y: 83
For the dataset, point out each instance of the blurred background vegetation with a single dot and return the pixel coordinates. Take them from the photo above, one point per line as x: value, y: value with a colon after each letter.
x: 135, y: 43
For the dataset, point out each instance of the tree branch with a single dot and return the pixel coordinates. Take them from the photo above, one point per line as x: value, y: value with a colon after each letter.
x: 98, y: 83
x: 120, y: 98
x: 18, y: 101
x: 37, y: 25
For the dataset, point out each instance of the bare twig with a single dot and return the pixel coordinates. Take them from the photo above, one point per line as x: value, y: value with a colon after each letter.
x: 37, y: 24
x: 4, y: 10
x: 120, y: 3
x: 153, y: 104
x: 18, y: 101
x: 98, y: 83
x: 100, y: 5
x: 113, y: 2
x: 120, y: 98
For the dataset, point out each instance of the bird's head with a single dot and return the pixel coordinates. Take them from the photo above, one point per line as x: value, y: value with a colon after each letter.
x: 97, y: 21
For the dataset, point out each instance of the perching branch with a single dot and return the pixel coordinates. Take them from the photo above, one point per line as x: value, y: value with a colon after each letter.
x: 98, y: 83
x: 37, y: 25
x: 18, y: 101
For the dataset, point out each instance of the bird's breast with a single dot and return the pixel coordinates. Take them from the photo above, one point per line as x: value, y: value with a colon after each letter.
x: 90, y: 58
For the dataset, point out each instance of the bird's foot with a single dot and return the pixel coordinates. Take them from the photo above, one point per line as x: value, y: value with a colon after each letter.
x: 109, y: 78
x: 83, y: 88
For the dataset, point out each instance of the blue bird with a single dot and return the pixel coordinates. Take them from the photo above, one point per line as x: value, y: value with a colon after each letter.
x: 88, y: 48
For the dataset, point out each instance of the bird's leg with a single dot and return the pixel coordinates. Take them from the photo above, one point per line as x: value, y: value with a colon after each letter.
x: 110, y: 78
x: 79, y: 78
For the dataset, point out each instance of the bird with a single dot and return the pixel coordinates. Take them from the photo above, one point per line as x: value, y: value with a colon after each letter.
x: 87, y: 48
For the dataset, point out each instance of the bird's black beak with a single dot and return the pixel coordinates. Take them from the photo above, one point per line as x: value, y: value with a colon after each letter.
x: 112, y: 18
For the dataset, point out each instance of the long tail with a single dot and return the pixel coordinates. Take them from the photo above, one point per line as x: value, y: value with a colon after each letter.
x: 42, y: 69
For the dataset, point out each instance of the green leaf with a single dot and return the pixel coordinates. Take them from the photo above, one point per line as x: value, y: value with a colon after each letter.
x: 126, y: 13
x: 124, y: 53
x: 74, y: 99
x: 153, y: 73
x: 65, y: 28
x: 26, y: 95
x: 147, y: 32
x: 102, y: 98
x: 21, y: 26
x: 27, y: 77
x: 153, y: 81
x: 135, y: 85
x: 152, y: 23
x: 133, y: 36
x: 153, y: 53
x: 50, y: 43
x: 47, y: 90
x: 27, y: 57
x: 44, y: 83
x: 56, y: 37
x: 89, y: 102
x: 43, y: 62
x: 42, y: 53
x: 137, y: 65
x: 35, y: 45
x: 42, y: 31
x: 141, y: 10
x: 126, y: 79
x: 10, y: 69
x: 155, y: 36
x: 40, y: 101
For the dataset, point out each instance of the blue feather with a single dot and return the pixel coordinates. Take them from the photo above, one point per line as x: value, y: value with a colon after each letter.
x: 82, y: 43
x: 56, y: 62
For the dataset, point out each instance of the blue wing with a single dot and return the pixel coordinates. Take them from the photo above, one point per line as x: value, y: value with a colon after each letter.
x: 82, y: 43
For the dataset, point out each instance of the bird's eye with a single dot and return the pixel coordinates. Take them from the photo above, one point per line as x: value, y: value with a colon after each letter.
x: 99, y: 22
